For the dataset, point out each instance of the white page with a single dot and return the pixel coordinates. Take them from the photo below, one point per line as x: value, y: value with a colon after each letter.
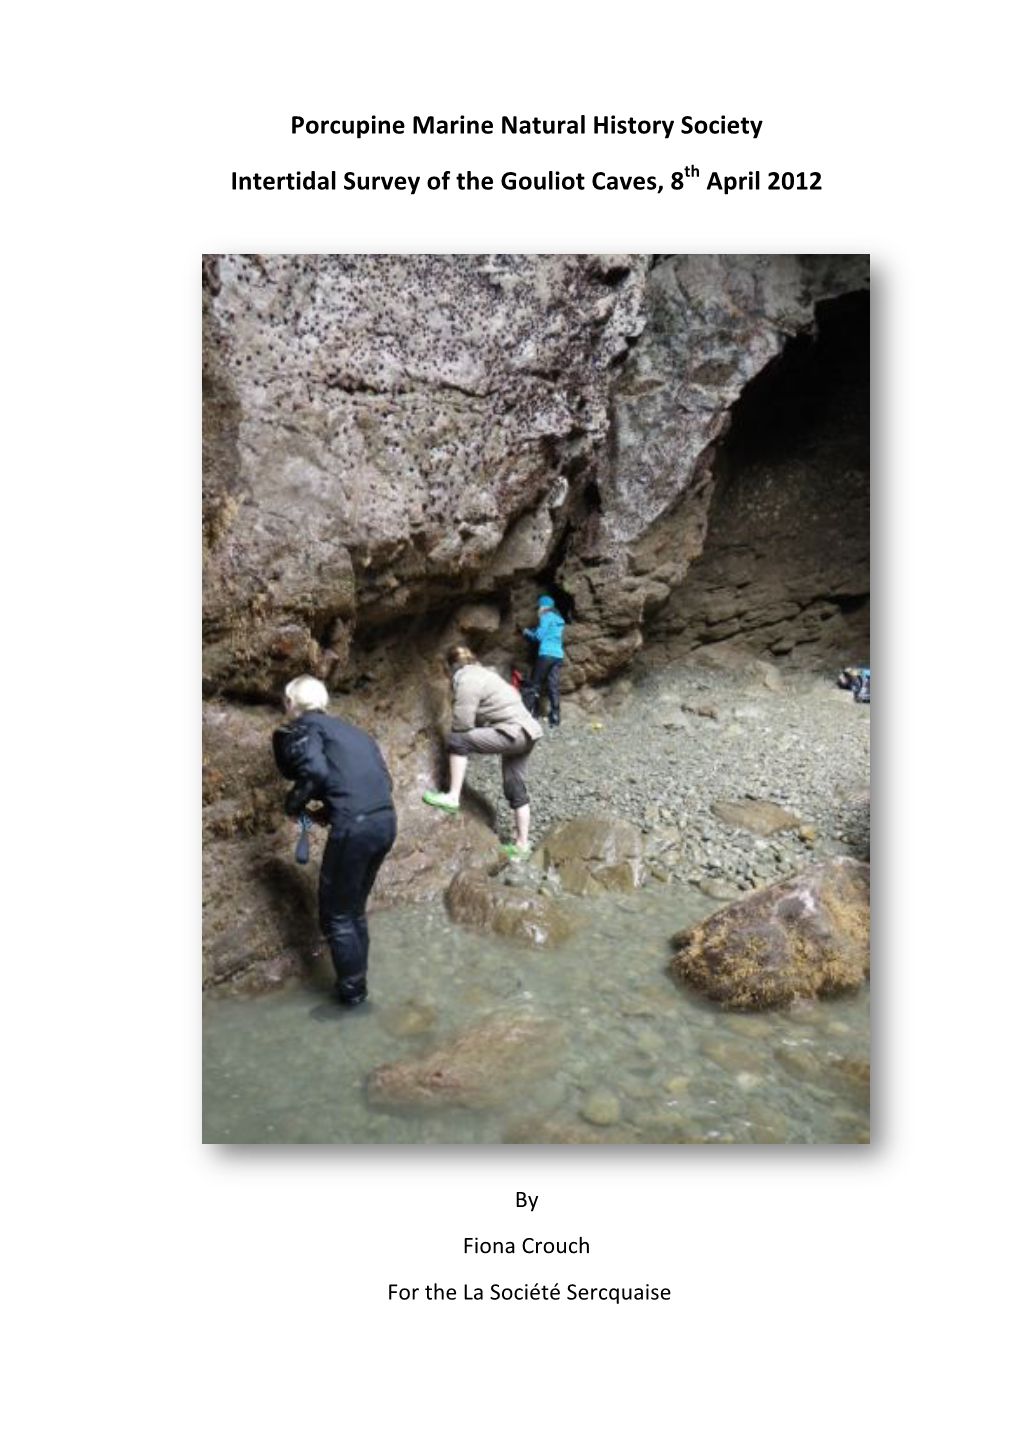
x: 160, y: 1285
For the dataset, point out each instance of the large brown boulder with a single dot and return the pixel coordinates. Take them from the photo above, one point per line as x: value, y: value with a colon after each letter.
x: 807, y: 936
x: 476, y: 899
x: 476, y: 1068
x: 600, y: 853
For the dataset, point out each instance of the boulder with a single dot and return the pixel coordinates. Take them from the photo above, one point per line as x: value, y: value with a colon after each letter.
x: 476, y: 619
x: 599, y: 853
x: 806, y: 936
x: 762, y: 818
x: 476, y: 1068
x: 477, y: 899
x: 431, y: 847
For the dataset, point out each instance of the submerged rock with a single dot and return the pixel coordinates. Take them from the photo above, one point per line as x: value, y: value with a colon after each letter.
x: 601, y: 1107
x: 532, y: 1130
x: 808, y: 936
x: 599, y: 853
x: 476, y: 899
x: 408, y: 1019
x: 476, y: 1068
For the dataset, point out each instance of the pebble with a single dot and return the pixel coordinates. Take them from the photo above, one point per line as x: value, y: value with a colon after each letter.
x: 797, y: 1061
x: 746, y: 1026
x: 731, y: 1055
x: 601, y: 1107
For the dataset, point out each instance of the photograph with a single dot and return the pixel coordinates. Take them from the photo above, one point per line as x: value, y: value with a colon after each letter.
x: 536, y: 698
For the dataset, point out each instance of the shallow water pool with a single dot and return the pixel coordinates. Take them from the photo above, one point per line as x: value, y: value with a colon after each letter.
x: 649, y: 1060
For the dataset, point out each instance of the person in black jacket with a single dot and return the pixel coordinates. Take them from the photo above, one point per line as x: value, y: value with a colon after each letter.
x: 330, y: 761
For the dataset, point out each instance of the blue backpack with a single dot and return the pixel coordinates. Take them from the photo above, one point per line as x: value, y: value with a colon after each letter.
x: 858, y: 680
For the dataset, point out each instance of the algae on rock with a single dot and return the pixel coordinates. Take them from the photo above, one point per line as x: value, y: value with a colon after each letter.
x: 805, y: 937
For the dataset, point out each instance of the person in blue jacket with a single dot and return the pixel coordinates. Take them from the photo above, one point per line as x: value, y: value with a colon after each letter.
x: 548, y: 635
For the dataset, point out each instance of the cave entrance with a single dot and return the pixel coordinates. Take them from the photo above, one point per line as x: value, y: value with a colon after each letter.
x: 785, y: 566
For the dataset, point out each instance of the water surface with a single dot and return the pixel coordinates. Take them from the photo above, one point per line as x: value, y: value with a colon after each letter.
x: 675, y: 1067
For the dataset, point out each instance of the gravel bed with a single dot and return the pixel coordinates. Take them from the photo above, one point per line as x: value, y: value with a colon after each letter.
x: 661, y: 748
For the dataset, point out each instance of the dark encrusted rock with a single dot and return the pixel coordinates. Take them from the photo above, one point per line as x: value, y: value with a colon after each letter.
x: 476, y: 899
x: 807, y: 936
x: 478, y: 1067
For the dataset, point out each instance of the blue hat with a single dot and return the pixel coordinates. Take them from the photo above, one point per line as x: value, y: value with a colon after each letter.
x: 546, y: 601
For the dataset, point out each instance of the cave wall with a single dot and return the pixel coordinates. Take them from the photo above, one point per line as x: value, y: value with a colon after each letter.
x: 385, y: 435
x: 387, y: 438
x: 784, y: 565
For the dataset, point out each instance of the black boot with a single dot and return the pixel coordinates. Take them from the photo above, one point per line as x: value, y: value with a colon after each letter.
x: 352, y: 991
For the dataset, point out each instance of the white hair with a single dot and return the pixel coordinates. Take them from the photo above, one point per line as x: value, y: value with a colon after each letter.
x: 306, y: 693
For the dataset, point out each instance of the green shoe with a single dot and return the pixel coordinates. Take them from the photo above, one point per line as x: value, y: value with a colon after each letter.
x: 514, y: 852
x: 441, y: 800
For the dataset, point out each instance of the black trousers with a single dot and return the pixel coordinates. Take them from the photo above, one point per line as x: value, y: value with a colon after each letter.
x: 546, y: 674
x: 350, y: 865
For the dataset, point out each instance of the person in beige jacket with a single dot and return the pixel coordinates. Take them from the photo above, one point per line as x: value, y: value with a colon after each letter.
x: 489, y: 719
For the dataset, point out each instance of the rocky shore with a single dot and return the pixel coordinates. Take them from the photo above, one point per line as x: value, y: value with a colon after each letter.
x: 736, y: 771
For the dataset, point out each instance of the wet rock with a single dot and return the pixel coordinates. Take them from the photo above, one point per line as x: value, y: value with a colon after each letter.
x: 429, y: 850
x: 730, y: 1054
x: 532, y: 1130
x: 747, y: 1026
x: 601, y: 1108
x: 476, y: 899
x: 805, y: 937
x: 799, y: 1062
x: 762, y: 818
x: 599, y: 853
x: 767, y: 1125
x: 649, y: 1042
x: 408, y: 1019
x: 476, y: 1068
x: 856, y: 1070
